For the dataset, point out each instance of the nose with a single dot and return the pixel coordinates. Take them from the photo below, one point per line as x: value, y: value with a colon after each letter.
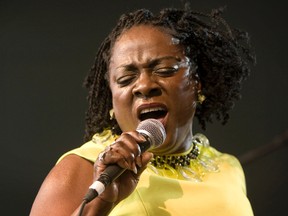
x: 146, y: 86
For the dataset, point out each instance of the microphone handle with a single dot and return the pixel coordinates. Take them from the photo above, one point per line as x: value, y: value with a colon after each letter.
x: 111, y: 172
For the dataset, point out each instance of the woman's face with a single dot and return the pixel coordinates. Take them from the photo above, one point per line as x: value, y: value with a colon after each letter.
x: 149, y: 77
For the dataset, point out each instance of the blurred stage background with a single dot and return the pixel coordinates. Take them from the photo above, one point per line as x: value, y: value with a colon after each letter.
x: 47, y: 48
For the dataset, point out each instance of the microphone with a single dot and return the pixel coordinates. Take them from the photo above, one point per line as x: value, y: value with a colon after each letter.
x: 154, y: 133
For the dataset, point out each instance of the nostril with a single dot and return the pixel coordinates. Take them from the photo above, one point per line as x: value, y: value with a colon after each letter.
x: 138, y: 94
x: 148, y: 93
x: 155, y: 92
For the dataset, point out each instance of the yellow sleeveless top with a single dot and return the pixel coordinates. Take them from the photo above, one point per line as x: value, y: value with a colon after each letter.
x: 164, y: 192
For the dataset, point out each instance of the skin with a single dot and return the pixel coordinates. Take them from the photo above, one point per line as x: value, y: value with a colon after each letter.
x: 133, y: 59
x: 147, y: 70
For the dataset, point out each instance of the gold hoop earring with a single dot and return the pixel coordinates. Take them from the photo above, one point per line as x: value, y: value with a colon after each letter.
x: 112, y: 114
x: 201, y: 97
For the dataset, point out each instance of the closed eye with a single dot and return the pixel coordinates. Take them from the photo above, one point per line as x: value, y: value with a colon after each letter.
x: 166, y: 71
x: 125, y: 80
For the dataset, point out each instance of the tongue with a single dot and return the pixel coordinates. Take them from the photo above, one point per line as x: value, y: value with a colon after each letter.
x: 154, y: 115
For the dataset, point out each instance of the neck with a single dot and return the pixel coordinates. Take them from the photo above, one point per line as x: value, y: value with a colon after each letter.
x: 176, y: 143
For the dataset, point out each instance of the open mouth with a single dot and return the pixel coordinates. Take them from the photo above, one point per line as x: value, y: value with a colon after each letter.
x: 155, y: 113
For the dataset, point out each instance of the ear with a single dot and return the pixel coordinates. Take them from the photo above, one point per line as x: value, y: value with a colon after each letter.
x: 197, y: 82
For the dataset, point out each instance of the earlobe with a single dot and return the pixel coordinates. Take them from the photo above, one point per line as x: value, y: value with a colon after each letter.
x: 200, y: 97
x: 112, y: 114
x: 198, y: 86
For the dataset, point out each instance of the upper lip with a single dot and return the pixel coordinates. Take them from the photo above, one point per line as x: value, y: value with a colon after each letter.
x: 144, y: 108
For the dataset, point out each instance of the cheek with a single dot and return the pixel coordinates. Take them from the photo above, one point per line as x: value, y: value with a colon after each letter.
x: 122, y: 105
x: 186, y: 92
x: 120, y: 99
x: 189, y: 99
x: 186, y: 87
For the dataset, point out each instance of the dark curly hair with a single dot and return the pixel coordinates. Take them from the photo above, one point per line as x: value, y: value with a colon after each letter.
x: 221, y: 54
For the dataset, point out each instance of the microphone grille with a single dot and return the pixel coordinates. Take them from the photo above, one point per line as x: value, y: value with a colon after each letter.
x: 154, y: 129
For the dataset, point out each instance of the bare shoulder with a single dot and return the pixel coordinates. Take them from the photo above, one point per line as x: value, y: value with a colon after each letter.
x: 64, y: 187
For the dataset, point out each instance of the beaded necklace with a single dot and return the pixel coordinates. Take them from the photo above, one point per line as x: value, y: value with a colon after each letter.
x: 191, y: 165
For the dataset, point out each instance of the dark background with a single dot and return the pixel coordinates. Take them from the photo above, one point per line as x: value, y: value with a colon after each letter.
x: 47, y: 48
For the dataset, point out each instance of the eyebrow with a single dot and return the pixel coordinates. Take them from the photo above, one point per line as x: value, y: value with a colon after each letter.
x: 155, y: 62
x: 151, y: 63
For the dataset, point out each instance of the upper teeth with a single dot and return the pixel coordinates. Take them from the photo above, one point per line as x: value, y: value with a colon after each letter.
x: 151, y: 110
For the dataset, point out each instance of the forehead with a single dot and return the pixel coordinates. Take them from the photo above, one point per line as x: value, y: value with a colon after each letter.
x: 140, y: 43
x: 144, y: 31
